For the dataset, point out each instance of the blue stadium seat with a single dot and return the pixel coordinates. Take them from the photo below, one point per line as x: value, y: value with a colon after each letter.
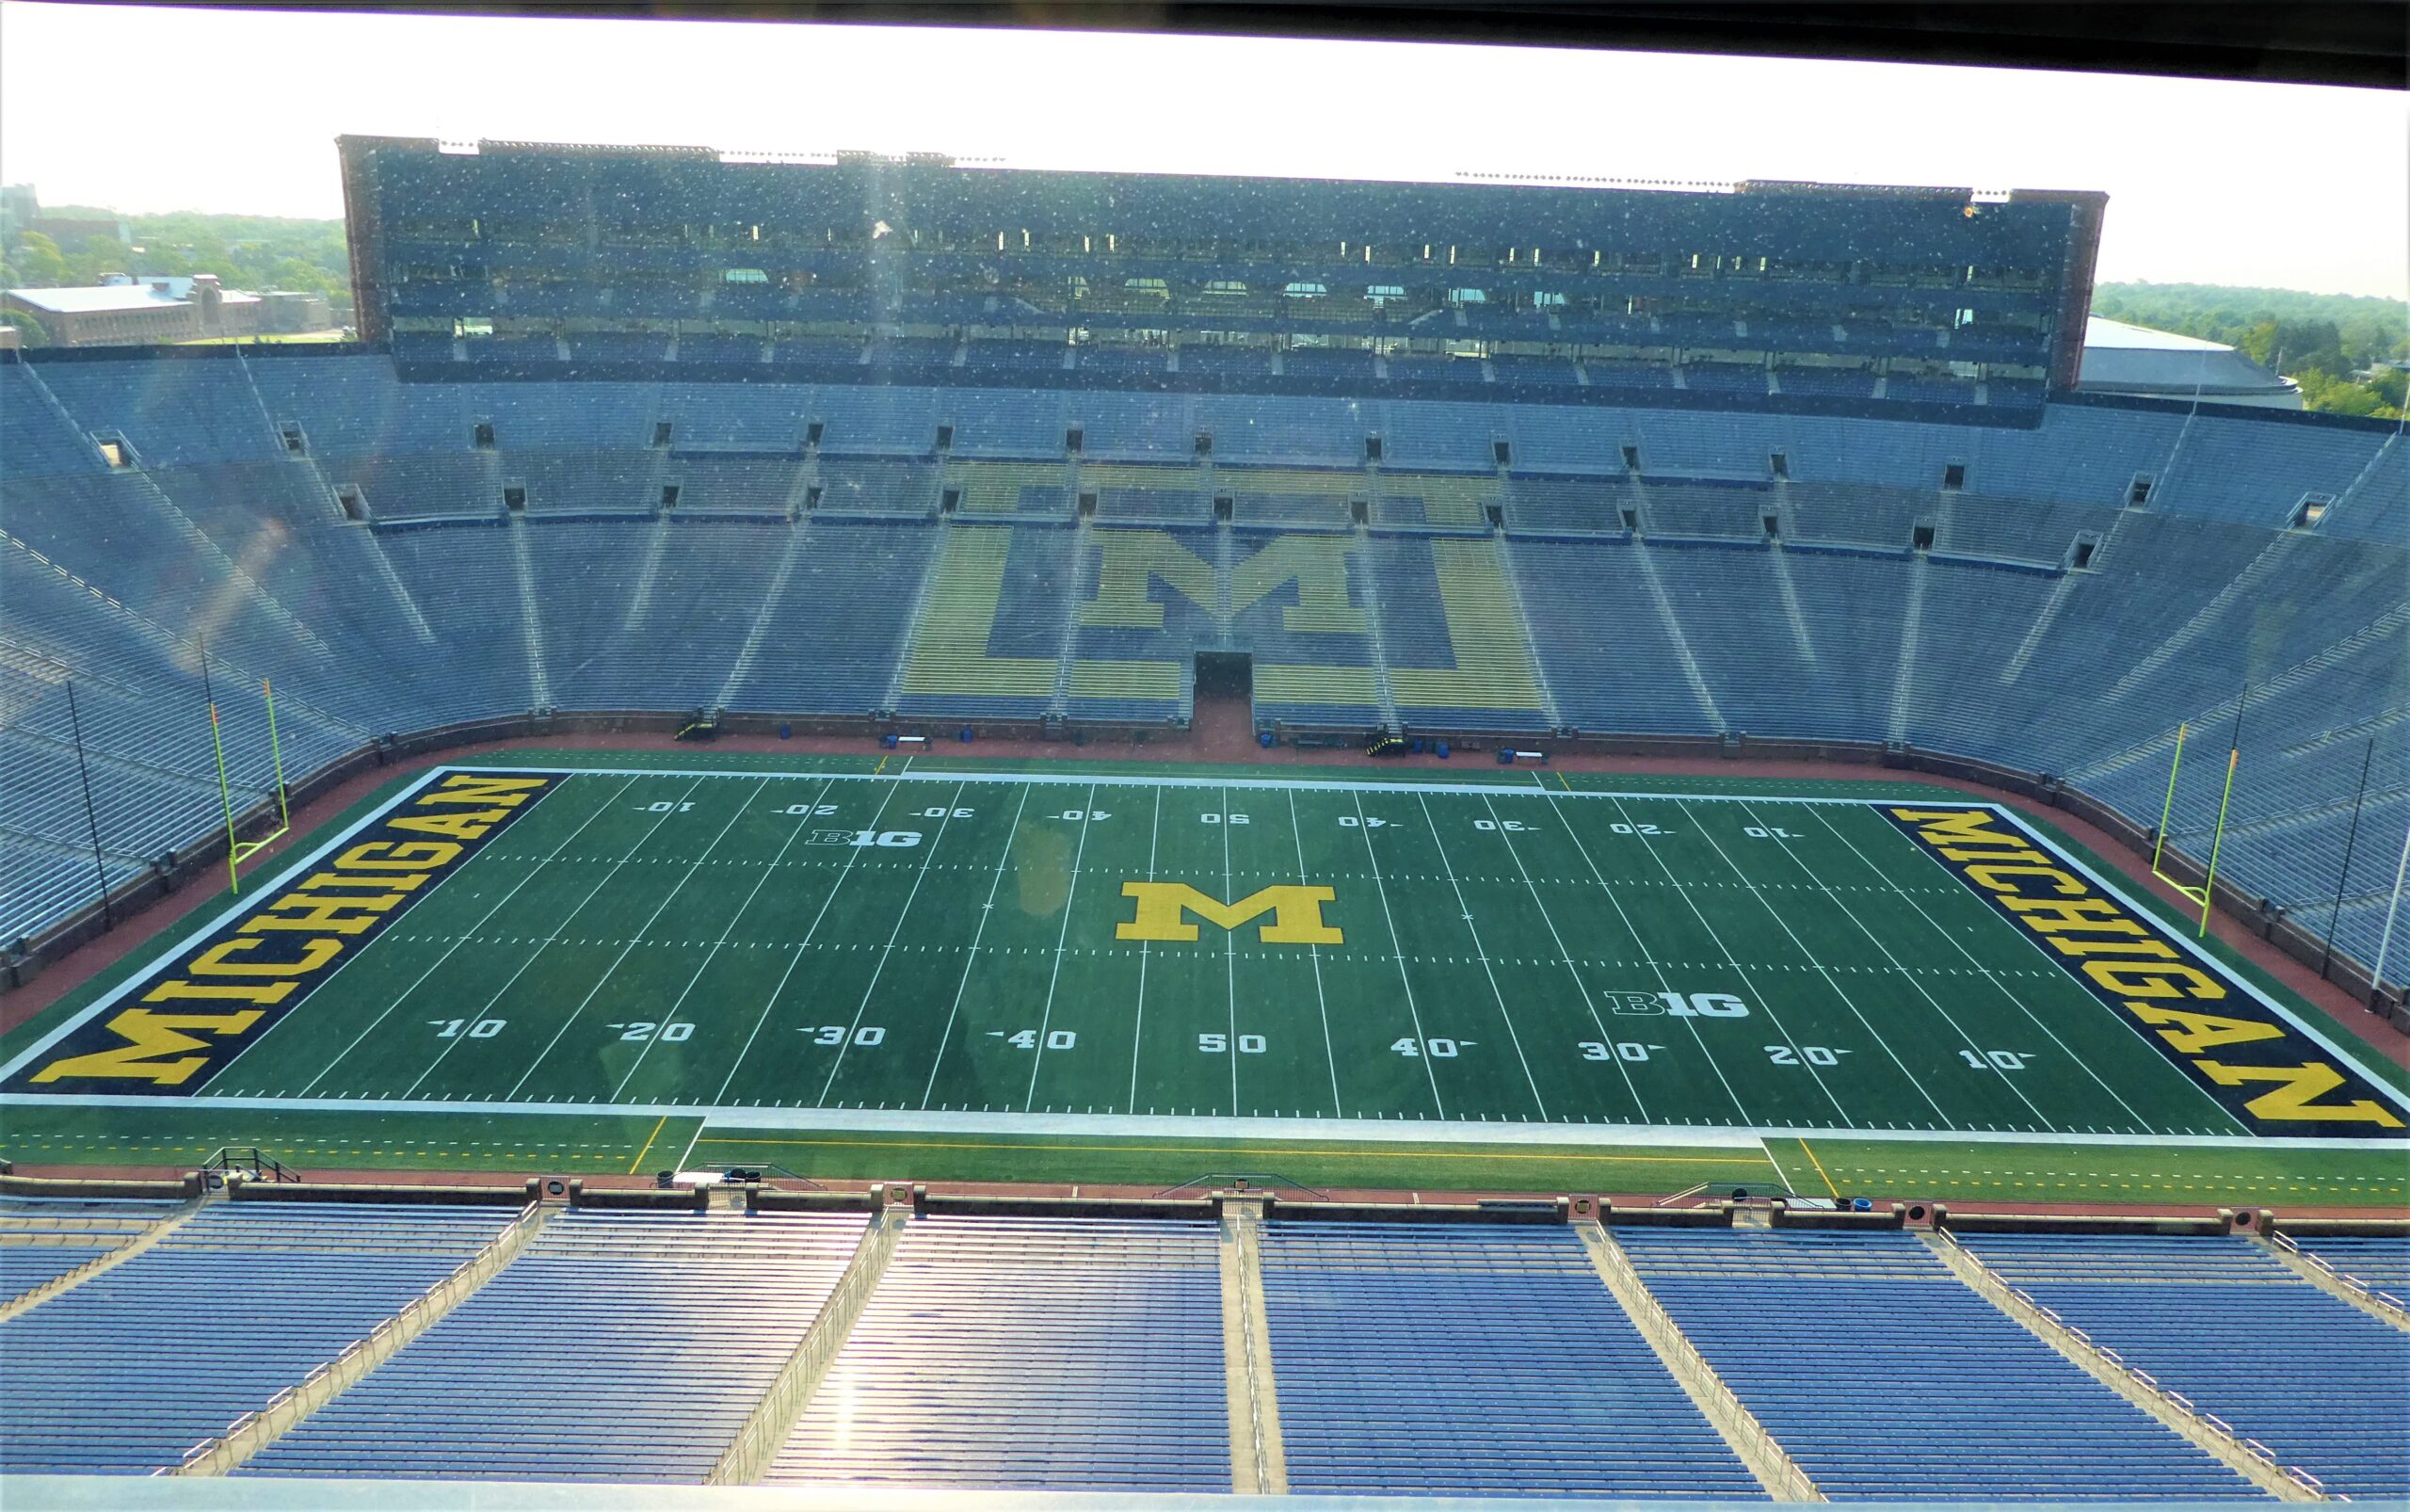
x: 127, y: 1371
x: 2322, y: 1385
x: 1471, y: 1360
x: 1884, y: 1376
x: 1030, y: 1353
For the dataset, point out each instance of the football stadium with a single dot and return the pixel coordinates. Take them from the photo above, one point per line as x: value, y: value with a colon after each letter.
x: 873, y: 826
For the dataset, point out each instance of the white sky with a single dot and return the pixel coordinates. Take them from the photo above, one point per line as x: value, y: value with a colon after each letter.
x: 236, y: 112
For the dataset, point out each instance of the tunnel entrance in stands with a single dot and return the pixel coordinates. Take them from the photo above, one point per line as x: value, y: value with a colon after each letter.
x: 1223, y: 717
x: 1224, y: 675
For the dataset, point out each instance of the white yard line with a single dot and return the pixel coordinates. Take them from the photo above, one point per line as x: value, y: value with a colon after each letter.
x: 202, y: 932
x: 1639, y: 1104
x: 1775, y: 833
x: 971, y: 961
x: 2186, y: 943
x: 1762, y: 1002
x: 557, y: 933
x: 403, y: 996
x: 1425, y: 1130
x: 1823, y: 971
x: 1779, y: 1174
x: 1231, y: 957
x: 928, y: 854
x: 1322, y: 1003
x: 1648, y: 954
x: 767, y: 872
x: 1482, y: 952
x: 1397, y: 953
x: 1070, y: 896
x: 675, y: 888
x: 1138, y: 1031
x: 1268, y: 784
x: 2006, y: 989
x: 853, y: 855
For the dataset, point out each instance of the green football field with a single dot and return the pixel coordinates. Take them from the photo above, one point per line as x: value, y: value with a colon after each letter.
x: 746, y: 962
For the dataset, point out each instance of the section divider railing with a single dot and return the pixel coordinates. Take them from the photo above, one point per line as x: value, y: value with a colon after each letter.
x: 756, y: 1443
x: 1783, y: 1477
x: 2212, y: 1435
x: 254, y: 1431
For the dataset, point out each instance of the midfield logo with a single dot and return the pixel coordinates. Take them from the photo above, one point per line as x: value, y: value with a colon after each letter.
x: 1297, y: 913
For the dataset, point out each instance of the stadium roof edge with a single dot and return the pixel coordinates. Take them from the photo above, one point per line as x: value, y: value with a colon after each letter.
x: 839, y: 157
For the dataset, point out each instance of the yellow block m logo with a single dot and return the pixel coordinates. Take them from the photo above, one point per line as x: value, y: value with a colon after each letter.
x: 1297, y: 913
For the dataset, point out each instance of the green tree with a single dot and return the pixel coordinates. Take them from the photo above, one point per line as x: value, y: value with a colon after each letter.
x: 95, y: 257
x: 39, y: 261
x: 2319, y: 340
x: 30, y: 330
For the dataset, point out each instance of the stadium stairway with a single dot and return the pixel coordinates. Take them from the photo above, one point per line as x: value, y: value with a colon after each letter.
x: 210, y: 527
x: 1034, y: 1352
x: 1884, y: 1376
x: 49, y: 1245
x: 2210, y: 1435
x: 750, y: 1454
x: 666, y: 1329
x: 1254, y: 1354
x: 288, y: 1410
x: 2371, y: 1273
x: 240, y: 1305
x: 2221, y: 1324
x: 1259, y: 1453
x: 1772, y: 1466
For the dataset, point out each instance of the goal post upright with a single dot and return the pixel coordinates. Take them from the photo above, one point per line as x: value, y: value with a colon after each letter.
x: 238, y: 851
x: 275, y: 757
x: 2168, y: 810
x: 226, y: 797
x: 2217, y: 838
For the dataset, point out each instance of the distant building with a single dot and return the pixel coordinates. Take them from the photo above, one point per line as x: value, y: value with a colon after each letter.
x: 74, y: 230
x: 2159, y: 364
x: 152, y: 311
x: 18, y: 208
x: 21, y: 210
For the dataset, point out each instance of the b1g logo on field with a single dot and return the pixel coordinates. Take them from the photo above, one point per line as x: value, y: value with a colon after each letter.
x: 1297, y: 913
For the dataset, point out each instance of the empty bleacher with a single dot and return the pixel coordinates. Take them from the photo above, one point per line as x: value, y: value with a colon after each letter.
x: 2381, y: 1262
x: 1030, y: 1353
x: 1471, y: 1359
x: 43, y: 1240
x: 658, y: 1332
x: 2229, y: 1326
x: 213, y: 532
x: 124, y: 1372
x: 1089, y: 1353
x: 1884, y: 1376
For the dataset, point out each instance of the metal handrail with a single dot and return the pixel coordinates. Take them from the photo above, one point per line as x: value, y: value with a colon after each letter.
x: 2175, y: 1400
x: 1253, y: 1180
x: 776, y: 1413
x: 446, y: 1292
x: 2349, y: 1282
x: 1689, y: 1358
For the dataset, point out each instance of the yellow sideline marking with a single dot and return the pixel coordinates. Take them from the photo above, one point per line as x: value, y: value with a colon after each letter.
x: 637, y: 1164
x: 1820, y: 1167
x: 1219, y: 1149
